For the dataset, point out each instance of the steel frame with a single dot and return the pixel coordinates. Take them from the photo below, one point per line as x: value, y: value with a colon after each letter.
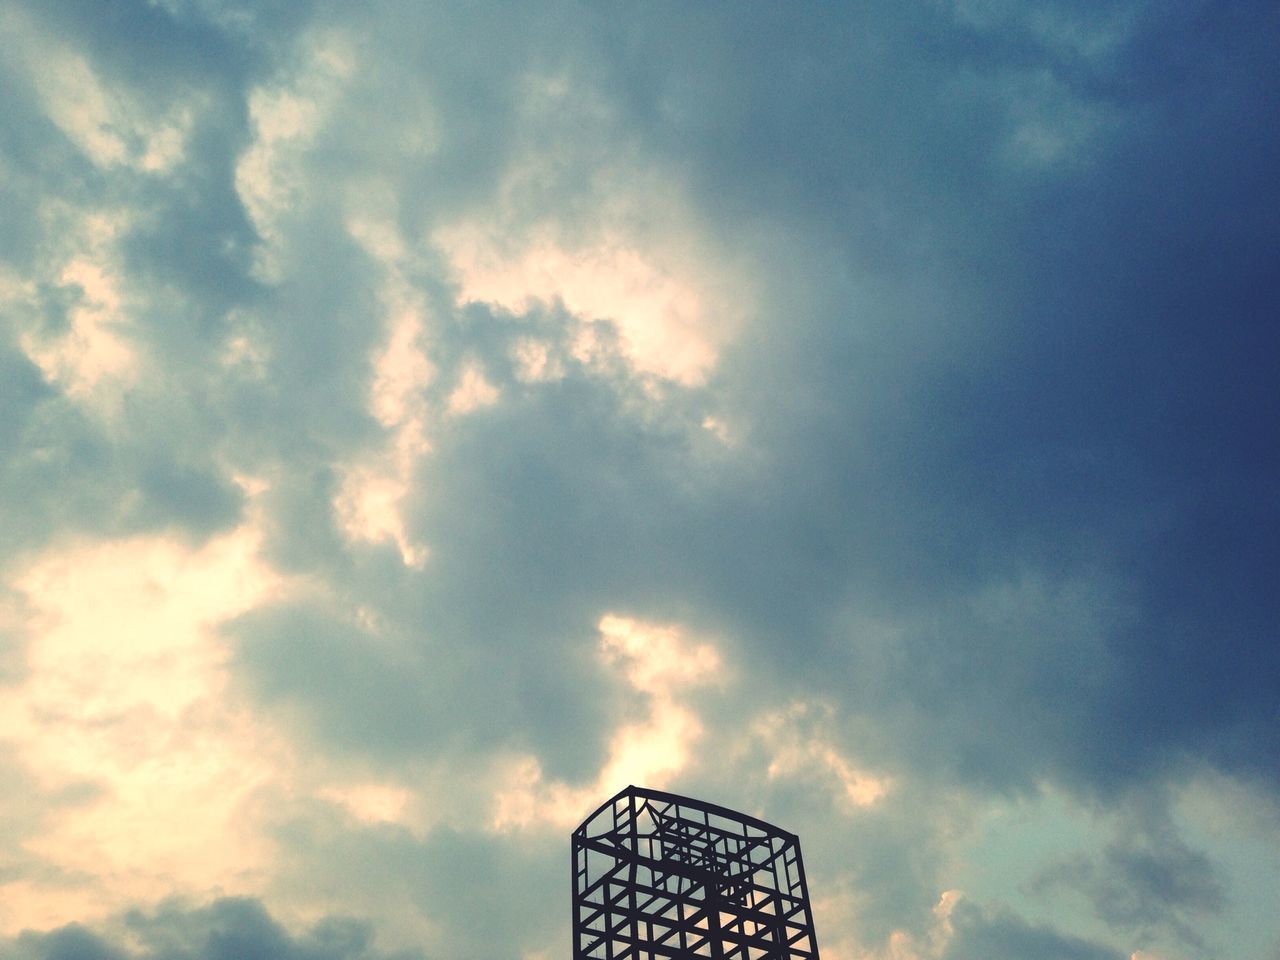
x: 662, y: 877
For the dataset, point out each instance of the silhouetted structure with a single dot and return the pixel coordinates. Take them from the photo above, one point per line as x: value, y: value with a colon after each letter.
x: 661, y: 876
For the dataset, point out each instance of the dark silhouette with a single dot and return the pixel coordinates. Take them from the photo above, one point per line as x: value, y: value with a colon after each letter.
x: 661, y: 876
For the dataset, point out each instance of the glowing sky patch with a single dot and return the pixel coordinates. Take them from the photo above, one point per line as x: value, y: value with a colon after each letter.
x: 669, y: 326
x: 125, y: 705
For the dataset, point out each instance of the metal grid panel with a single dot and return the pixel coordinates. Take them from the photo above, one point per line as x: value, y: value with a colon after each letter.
x: 657, y: 875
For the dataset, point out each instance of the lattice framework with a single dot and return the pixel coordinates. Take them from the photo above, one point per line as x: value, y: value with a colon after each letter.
x: 657, y: 875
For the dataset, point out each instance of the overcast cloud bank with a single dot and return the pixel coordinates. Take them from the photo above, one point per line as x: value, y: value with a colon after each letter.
x: 420, y: 422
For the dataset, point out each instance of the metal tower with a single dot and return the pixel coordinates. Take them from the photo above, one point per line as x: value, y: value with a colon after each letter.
x: 661, y: 876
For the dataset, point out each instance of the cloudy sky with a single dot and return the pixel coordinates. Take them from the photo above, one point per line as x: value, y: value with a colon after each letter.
x: 420, y: 420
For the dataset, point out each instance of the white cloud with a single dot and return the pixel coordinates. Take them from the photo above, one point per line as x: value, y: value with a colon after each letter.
x: 626, y: 250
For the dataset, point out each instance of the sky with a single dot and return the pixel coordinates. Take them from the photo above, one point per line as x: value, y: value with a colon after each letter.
x: 419, y: 421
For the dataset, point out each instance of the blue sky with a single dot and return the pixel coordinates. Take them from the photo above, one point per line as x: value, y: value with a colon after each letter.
x: 422, y: 420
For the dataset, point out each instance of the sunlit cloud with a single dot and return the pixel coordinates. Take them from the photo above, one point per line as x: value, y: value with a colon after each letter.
x: 672, y: 313
x: 125, y: 696
x: 659, y: 318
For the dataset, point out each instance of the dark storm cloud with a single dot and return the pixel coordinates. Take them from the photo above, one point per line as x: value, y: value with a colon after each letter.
x: 1011, y: 407
x: 1108, y: 423
x: 1147, y: 880
x: 1137, y: 404
x: 543, y: 511
x: 227, y: 929
x: 157, y: 45
x: 361, y: 693
x: 999, y: 935
x: 67, y: 476
x: 1045, y: 377
x: 21, y: 390
x: 569, y: 505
